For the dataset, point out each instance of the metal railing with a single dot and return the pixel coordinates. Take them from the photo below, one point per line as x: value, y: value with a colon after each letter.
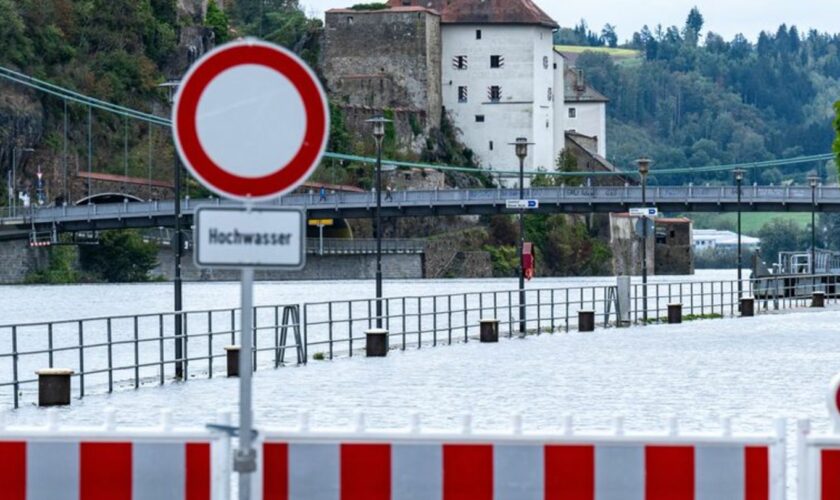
x: 139, y: 350
x: 673, y: 198
x: 132, y: 351
x: 334, y: 246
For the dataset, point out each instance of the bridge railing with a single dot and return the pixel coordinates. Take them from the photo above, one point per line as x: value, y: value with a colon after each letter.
x: 621, y: 196
x: 107, y: 353
x: 335, y: 246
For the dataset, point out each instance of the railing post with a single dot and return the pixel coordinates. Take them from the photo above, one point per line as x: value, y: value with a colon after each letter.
x: 136, y: 354
x: 350, y: 326
x: 50, y: 342
x: 276, y: 336
x: 160, y: 348
x: 81, y: 360
x: 330, y: 326
x: 434, y: 321
x: 16, y: 386
x: 404, y: 314
x: 110, y: 358
x: 210, y: 344
x: 449, y: 316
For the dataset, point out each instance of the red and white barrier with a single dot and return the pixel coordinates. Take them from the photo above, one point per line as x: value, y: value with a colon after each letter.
x: 52, y: 462
x: 818, y: 456
x: 410, y: 465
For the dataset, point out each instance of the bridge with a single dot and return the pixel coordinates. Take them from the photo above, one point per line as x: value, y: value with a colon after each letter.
x: 568, y: 200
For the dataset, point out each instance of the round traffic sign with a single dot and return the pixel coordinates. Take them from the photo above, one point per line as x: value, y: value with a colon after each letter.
x: 250, y: 120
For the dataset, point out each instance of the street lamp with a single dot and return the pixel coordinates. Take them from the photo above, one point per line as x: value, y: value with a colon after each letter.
x: 739, y: 180
x: 813, y: 180
x: 521, y: 147
x: 379, y: 135
x: 644, y: 170
x: 172, y: 86
x: 13, y: 180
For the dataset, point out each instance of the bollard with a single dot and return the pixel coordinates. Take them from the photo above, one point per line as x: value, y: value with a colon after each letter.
x: 232, y: 360
x: 675, y: 314
x: 747, y: 307
x: 586, y: 321
x: 54, y: 386
x: 489, y: 330
x: 818, y: 299
x: 377, y: 343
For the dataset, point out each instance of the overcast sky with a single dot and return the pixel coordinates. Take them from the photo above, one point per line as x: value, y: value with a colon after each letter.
x: 727, y: 17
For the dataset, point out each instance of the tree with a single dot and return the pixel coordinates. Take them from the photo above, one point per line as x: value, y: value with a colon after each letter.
x: 121, y: 257
x: 837, y: 128
x: 694, y: 23
x: 609, y: 35
x: 217, y: 21
x: 781, y: 235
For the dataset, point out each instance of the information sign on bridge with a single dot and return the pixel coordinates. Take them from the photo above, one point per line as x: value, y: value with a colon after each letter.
x: 523, y: 204
x: 250, y: 122
x: 644, y: 212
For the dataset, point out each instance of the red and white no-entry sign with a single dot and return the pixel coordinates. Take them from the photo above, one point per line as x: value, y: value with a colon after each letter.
x: 250, y: 120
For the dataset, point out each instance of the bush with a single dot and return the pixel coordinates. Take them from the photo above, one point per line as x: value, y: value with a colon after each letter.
x: 121, y: 257
x: 61, y: 269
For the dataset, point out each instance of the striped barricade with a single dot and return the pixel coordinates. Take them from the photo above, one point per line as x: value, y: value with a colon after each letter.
x: 415, y: 465
x: 818, y: 456
x: 51, y: 463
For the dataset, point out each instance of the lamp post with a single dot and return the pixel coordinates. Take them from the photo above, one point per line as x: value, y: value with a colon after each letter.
x: 13, y: 184
x: 379, y: 135
x: 739, y: 180
x: 813, y: 180
x: 172, y: 86
x: 521, y: 146
x: 644, y: 170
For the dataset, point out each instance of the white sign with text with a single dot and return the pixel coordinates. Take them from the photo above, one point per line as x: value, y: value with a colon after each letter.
x: 272, y: 238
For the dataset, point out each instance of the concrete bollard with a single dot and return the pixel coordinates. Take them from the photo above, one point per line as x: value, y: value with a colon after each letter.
x: 818, y: 300
x: 747, y: 307
x: 232, y: 352
x: 675, y: 314
x: 377, y: 343
x: 489, y: 330
x: 54, y: 386
x: 586, y: 321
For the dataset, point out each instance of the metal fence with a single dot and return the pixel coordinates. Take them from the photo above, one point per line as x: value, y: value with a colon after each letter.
x: 335, y: 246
x: 131, y: 351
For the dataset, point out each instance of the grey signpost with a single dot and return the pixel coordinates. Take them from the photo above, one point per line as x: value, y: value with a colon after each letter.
x: 250, y: 150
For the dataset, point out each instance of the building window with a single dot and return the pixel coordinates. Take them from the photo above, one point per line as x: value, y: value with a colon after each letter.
x: 550, y: 94
x: 491, y: 145
x: 349, y: 20
x: 497, y: 61
x: 494, y: 93
x: 479, y: 118
x: 462, y: 94
x: 478, y: 34
x: 459, y: 62
x: 572, y: 113
x: 545, y: 62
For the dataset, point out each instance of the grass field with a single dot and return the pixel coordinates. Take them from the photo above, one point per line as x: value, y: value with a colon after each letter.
x: 617, y: 53
x: 751, y: 222
x: 622, y: 57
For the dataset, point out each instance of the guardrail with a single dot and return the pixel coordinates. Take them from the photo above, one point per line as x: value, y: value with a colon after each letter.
x: 130, y: 351
x: 756, y: 197
x: 335, y: 246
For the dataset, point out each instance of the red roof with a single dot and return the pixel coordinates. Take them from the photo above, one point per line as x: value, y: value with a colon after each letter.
x: 484, y: 11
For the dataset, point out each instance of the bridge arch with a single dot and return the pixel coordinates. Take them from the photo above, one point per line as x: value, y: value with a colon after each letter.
x: 102, y: 198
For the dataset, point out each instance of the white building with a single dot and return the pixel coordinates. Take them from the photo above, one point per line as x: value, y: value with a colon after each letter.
x: 713, y: 239
x: 503, y: 80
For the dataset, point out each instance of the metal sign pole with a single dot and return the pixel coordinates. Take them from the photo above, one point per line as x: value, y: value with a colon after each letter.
x: 245, y: 462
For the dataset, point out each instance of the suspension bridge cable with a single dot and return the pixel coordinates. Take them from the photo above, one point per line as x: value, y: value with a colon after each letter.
x: 91, y: 102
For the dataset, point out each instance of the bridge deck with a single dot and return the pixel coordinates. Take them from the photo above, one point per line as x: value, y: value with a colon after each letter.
x: 443, y: 202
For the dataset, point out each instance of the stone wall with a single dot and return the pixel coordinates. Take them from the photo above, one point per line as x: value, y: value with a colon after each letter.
x: 627, y: 247
x: 385, y: 60
x: 17, y: 260
x: 327, y: 267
